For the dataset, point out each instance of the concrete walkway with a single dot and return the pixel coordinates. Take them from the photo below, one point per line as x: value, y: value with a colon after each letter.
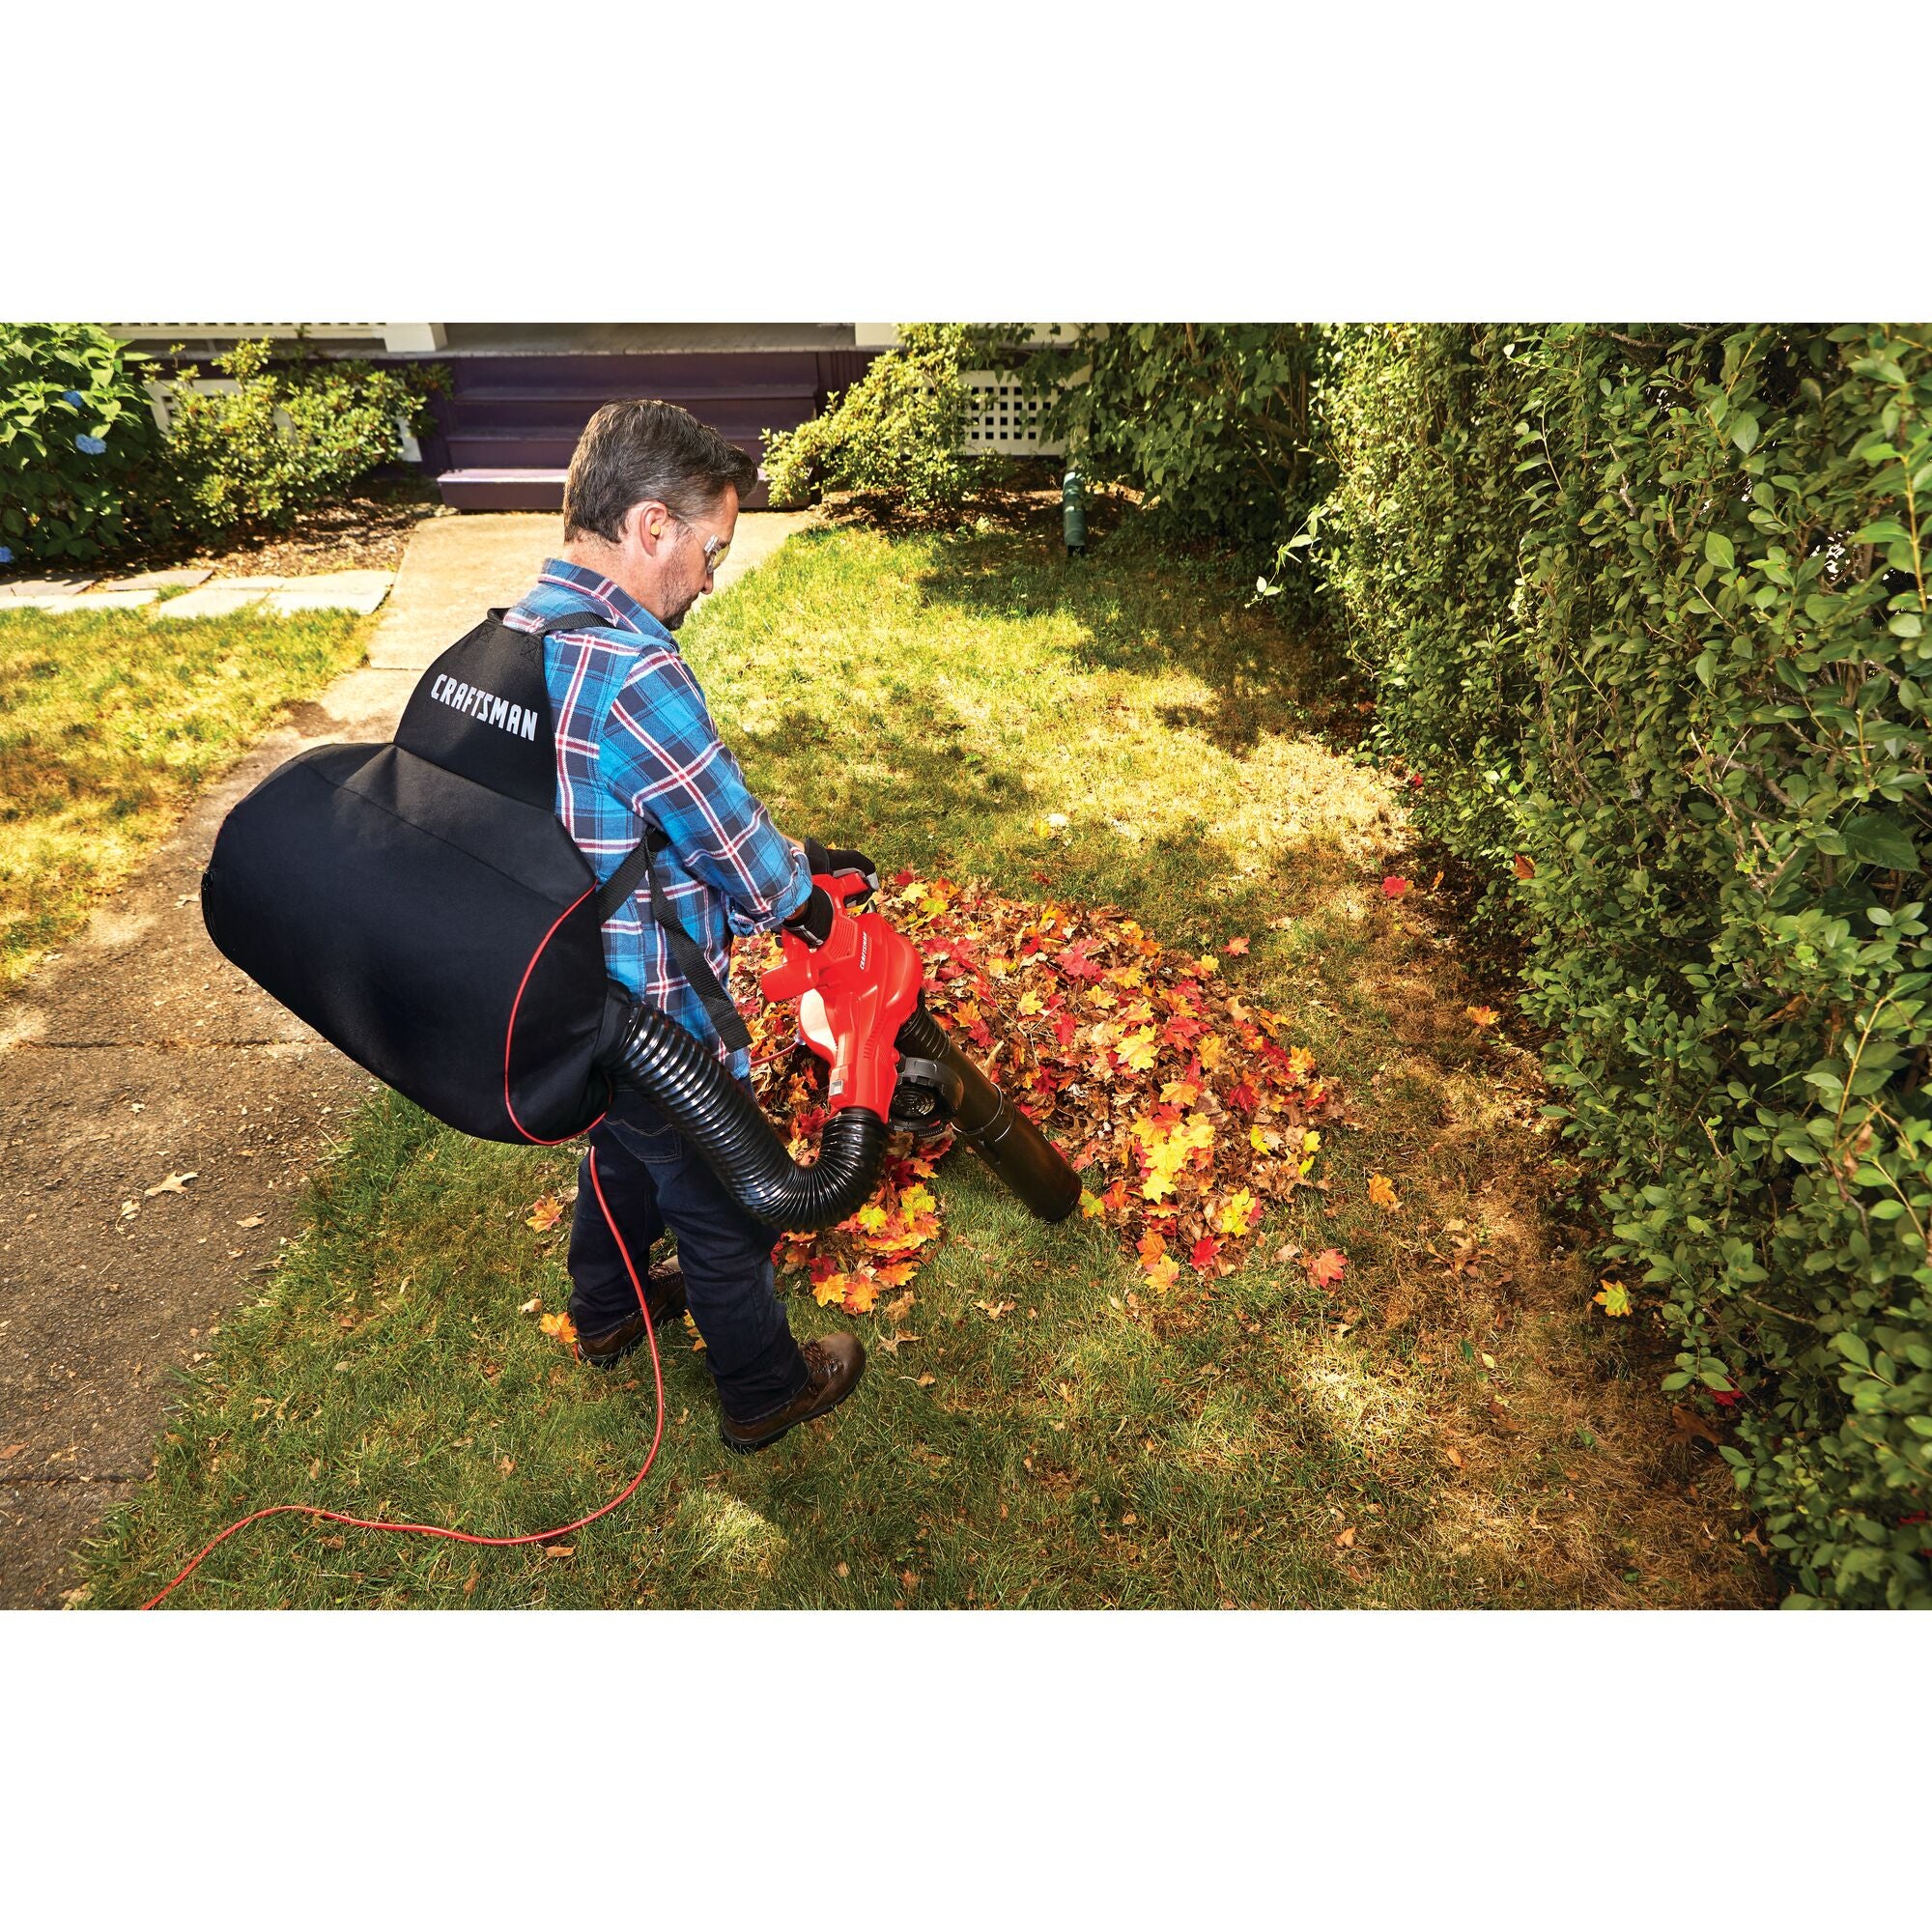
x: 359, y: 590
x: 159, y: 1113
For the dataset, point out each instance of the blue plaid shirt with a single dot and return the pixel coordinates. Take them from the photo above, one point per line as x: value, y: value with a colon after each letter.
x: 635, y: 744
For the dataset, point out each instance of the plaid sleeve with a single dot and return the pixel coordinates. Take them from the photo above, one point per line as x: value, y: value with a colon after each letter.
x: 663, y: 757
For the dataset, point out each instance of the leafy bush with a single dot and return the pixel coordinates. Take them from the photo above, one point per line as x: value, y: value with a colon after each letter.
x: 1650, y: 608
x: 1212, y: 422
x: 78, y: 440
x: 895, y: 433
x: 290, y: 435
x: 1417, y: 544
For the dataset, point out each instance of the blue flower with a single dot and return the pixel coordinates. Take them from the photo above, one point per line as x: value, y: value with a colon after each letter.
x: 89, y: 445
x: 72, y: 396
x: 6, y: 554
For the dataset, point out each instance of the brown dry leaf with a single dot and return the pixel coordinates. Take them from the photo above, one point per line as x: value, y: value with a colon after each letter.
x: 910, y: 1580
x: 508, y: 1463
x: 531, y: 1307
x: 927, y: 1381
x: 471, y: 1581
x: 544, y: 1214
x: 1347, y: 1538
x: 175, y: 1183
x: 1688, y: 1426
x: 253, y: 1221
x: 1455, y: 1456
x: 11, y: 1450
x: 995, y: 1309
x: 559, y: 1549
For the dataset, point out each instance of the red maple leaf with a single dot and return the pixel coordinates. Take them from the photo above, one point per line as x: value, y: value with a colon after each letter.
x: 1237, y: 944
x: 1204, y: 1252
x: 1325, y: 1269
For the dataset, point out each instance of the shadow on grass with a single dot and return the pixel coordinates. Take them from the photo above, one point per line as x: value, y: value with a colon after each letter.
x: 1192, y: 612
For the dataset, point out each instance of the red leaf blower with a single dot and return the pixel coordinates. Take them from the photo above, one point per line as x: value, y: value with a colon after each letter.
x: 893, y: 1068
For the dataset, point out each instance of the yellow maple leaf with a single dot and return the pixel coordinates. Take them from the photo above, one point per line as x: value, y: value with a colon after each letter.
x: 1139, y: 1051
x: 916, y: 1199
x: 1213, y: 1050
x: 1091, y: 1205
x: 1181, y: 1093
x: 1162, y: 1272
x: 1238, y: 1216
x: 1207, y: 964
x: 871, y: 1217
x: 1032, y: 1003
x: 544, y: 1214
x: 1262, y: 1139
x: 1613, y: 1298
x: 560, y: 1325
x: 1310, y: 1140
x: 832, y: 1289
x: 1481, y: 1016
x: 860, y: 1291
x: 1382, y: 1191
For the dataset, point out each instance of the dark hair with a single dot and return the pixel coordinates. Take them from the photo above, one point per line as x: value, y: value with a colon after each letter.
x: 635, y: 450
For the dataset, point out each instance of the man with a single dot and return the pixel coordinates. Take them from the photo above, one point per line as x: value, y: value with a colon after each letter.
x: 649, y: 509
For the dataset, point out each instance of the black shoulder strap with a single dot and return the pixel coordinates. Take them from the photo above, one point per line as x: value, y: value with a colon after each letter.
x: 615, y: 894
x: 612, y: 898
x: 571, y: 620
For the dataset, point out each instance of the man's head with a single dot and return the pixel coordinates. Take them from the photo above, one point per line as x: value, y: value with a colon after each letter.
x: 651, y: 502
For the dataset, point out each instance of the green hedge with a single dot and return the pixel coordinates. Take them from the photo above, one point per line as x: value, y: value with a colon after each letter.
x: 1648, y: 607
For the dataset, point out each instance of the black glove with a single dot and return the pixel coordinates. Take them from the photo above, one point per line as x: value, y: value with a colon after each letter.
x: 812, y: 921
x: 833, y: 859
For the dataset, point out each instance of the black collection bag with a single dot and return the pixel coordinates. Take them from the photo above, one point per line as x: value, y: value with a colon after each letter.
x: 421, y: 906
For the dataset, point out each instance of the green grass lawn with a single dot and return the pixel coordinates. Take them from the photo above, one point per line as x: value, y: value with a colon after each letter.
x: 109, y: 724
x: 1457, y: 1425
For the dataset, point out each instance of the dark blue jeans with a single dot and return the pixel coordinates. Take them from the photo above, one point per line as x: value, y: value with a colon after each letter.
x: 654, y: 1178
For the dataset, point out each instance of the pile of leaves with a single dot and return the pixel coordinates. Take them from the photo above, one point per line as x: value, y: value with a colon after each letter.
x: 1180, y: 1102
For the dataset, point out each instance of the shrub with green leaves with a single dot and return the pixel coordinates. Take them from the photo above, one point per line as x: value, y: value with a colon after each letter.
x: 1649, y: 607
x: 895, y: 433
x: 288, y: 436
x: 77, y: 443
x: 1212, y: 422
x: 1417, y: 548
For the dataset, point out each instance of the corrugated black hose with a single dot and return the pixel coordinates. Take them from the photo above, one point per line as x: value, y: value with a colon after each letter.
x: 668, y: 1065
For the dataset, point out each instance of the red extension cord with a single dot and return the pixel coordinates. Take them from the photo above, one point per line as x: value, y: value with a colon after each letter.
x: 459, y: 1535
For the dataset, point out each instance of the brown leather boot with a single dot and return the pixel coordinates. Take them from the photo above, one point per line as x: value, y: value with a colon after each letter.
x: 835, y: 1366
x: 663, y: 1296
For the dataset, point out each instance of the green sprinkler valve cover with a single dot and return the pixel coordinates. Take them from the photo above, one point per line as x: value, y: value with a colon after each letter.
x: 1074, y: 513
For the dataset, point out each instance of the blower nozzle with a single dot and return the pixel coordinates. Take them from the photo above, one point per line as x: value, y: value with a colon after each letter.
x: 893, y: 1068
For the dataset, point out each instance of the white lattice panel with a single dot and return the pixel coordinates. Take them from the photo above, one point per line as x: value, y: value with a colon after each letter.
x: 999, y: 417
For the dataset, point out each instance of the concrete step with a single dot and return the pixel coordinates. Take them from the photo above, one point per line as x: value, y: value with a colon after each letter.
x: 511, y: 488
